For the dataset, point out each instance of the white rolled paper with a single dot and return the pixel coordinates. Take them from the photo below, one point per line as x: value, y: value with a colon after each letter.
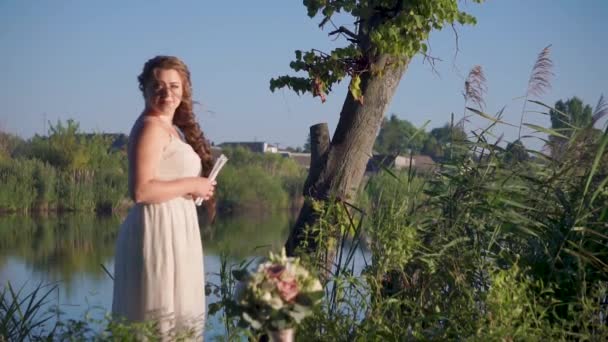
x: 219, y: 164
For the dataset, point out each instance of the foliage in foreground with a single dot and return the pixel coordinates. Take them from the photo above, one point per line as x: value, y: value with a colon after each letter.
x: 489, y: 248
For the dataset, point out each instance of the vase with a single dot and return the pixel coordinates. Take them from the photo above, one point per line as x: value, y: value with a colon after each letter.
x: 284, y: 335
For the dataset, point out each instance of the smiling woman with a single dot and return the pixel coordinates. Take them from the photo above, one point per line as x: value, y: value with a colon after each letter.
x: 164, y: 93
x: 159, y: 272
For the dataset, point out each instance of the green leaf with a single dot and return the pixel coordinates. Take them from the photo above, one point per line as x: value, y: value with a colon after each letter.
x: 596, y: 161
x: 240, y: 275
x: 419, y: 130
x: 214, y: 308
x: 599, y: 190
x: 309, y: 299
x: 515, y: 204
x: 355, y: 88
x: 252, y: 321
x: 299, y: 312
x: 545, y: 130
x: 551, y: 108
x: 424, y: 48
x: 590, y: 231
x: 486, y: 116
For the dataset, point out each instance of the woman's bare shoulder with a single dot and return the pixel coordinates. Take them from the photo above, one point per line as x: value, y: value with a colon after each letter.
x: 147, y: 127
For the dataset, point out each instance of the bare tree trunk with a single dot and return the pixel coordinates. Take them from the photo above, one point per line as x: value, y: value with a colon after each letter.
x: 337, y: 173
x: 319, y: 146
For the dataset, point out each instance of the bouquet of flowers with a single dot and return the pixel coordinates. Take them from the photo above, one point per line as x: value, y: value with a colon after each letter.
x: 278, y: 295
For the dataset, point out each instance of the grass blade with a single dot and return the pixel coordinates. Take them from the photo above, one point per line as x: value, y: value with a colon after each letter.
x: 548, y: 131
x: 486, y: 116
x: 596, y: 161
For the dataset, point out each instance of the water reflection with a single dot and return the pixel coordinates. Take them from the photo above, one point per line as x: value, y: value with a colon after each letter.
x: 246, y: 235
x: 70, y: 249
x: 60, y: 247
x: 64, y: 246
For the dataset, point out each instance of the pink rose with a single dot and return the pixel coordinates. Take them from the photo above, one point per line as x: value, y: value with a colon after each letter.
x: 288, y: 289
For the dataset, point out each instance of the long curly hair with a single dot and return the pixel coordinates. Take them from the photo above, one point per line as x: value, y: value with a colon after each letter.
x: 184, y: 117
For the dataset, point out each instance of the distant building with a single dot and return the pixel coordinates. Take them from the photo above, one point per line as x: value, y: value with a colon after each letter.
x: 397, y: 162
x: 423, y: 163
x: 255, y: 146
x: 379, y: 161
x: 303, y: 159
x: 216, y: 152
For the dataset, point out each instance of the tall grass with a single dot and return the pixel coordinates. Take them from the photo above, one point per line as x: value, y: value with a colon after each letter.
x: 489, y: 247
x: 484, y: 249
x: 20, y: 314
x: 64, y: 171
x: 32, y: 185
x: 27, y: 317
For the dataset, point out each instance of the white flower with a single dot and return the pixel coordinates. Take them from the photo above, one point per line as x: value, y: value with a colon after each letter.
x: 316, y: 286
x: 275, y: 302
x: 266, y: 297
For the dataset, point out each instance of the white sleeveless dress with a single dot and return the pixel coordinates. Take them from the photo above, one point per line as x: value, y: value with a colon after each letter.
x: 158, y: 270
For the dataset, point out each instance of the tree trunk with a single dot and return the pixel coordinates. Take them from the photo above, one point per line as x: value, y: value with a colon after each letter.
x: 319, y: 146
x: 336, y: 173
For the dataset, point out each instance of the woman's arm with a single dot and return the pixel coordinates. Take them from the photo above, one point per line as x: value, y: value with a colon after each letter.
x: 147, y: 151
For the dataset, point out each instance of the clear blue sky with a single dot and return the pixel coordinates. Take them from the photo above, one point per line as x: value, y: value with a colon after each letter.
x: 79, y: 59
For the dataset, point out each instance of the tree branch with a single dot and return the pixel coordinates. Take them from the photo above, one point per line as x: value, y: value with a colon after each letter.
x: 457, y: 48
x: 432, y: 60
x: 335, y: 27
x: 343, y: 30
x: 323, y: 54
x: 323, y: 22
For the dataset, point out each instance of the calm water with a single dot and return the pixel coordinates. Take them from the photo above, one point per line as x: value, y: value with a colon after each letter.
x: 69, y: 250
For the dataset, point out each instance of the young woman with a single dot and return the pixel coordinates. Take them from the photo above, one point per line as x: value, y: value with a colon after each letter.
x: 158, y: 271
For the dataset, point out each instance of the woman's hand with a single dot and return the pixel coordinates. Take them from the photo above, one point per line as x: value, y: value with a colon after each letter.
x: 203, y: 188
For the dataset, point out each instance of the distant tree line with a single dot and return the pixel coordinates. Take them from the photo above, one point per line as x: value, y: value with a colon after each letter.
x: 399, y: 136
x: 68, y: 170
